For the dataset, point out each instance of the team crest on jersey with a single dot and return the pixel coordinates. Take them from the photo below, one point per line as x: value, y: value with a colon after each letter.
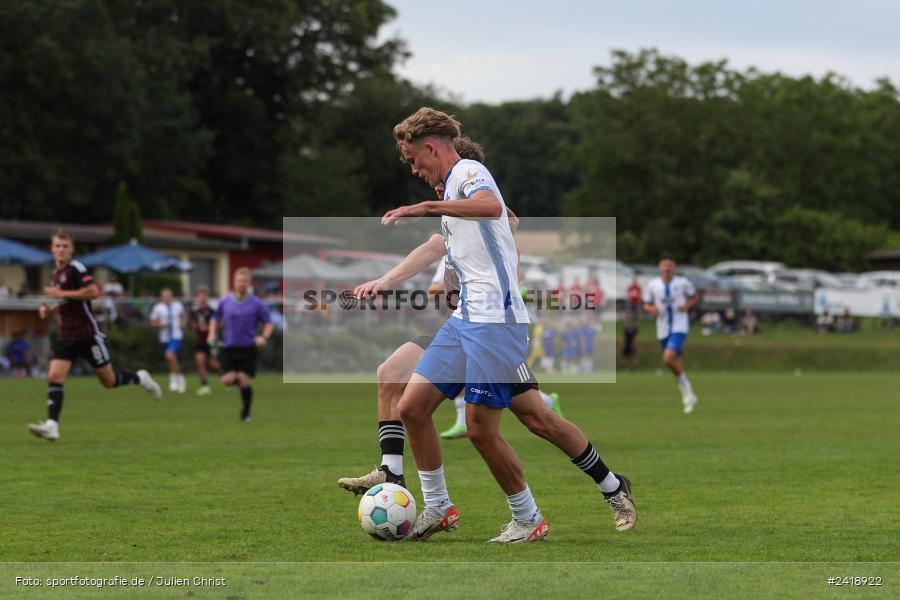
x: 62, y: 279
x: 472, y: 181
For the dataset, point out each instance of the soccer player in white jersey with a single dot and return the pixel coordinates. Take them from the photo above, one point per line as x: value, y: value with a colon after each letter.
x: 482, y: 348
x: 169, y: 316
x: 536, y: 410
x: 670, y: 298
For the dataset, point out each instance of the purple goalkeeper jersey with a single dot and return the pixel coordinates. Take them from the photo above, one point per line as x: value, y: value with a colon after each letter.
x: 240, y: 320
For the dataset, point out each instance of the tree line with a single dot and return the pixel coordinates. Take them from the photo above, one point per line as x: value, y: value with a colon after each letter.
x: 242, y: 112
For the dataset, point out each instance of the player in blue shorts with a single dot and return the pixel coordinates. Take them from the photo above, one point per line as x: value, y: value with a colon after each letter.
x: 169, y: 316
x: 482, y: 348
x: 670, y: 298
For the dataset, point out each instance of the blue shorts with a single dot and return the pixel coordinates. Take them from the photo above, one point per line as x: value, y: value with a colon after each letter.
x: 675, y: 341
x: 171, y: 346
x: 487, y: 359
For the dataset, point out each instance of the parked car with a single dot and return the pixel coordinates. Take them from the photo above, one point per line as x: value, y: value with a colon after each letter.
x: 874, y: 279
x: 747, y: 271
x: 806, y: 280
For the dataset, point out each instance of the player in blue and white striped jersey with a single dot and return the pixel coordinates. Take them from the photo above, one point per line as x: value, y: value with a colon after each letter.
x: 483, y: 346
x: 670, y: 297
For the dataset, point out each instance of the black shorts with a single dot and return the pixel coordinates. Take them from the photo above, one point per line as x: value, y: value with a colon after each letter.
x: 423, y: 341
x: 628, y: 349
x: 202, y: 347
x: 93, y: 350
x: 241, y: 359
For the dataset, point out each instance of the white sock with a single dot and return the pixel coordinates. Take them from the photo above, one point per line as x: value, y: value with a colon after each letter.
x: 683, y: 383
x: 460, y: 403
x: 434, y: 488
x: 394, y: 463
x: 547, y: 399
x: 524, y: 508
x: 609, y: 484
x: 172, y: 379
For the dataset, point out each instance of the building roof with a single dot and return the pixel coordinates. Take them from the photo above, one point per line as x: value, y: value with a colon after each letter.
x: 101, y: 234
x: 884, y: 254
x: 240, y: 233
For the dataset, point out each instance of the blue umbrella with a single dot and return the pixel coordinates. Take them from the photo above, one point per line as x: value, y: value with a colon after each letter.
x: 133, y: 258
x: 14, y: 253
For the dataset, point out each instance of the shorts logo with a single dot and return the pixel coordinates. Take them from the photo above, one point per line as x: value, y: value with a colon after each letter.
x: 524, y: 373
x: 487, y: 393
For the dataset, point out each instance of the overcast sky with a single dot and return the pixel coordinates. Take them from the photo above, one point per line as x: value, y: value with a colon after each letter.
x: 492, y: 50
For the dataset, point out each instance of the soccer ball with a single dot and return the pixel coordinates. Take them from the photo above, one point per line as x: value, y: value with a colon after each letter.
x: 387, y: 512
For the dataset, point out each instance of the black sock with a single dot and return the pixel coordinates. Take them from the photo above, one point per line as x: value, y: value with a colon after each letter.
x: 390, y: 437
x: 204, y: 381
x: 246, y: 400
x: 589, y: 462
x: 54, y: 401
x: 126, y: 378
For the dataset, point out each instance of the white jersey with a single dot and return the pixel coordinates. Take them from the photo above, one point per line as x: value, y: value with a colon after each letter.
x: 482, y: 252
x: 170, y: 315
x: 667, y: 297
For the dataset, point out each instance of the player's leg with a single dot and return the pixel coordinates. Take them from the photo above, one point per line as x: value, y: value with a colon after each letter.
x: 170, y: 353
x: 458, y: 429
x: 484, y: 431
x: 568, y: 437
x: 98, y: 356
x: 391, y: 376
x: 672, y: 358
x: 419, y: 401
x: 56, y: 377
x: 552, y: 402
x: 244, y: 381
x: 200, y: 356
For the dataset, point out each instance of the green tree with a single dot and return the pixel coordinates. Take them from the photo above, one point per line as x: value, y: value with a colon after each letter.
x: 126, y: 217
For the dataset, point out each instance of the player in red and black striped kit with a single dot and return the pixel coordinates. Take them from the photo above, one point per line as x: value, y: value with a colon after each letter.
x: 79, y: 335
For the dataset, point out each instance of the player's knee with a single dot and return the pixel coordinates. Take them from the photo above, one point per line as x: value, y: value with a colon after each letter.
x: 388, y: 372
x: 410, y: 411
x: 479, y: 436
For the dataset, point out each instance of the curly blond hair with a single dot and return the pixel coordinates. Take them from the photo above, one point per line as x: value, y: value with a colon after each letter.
x: 424, y: 122
x: 468, y: 149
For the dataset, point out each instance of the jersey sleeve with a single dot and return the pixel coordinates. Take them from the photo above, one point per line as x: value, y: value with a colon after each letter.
x: 156, y: 314
x: 220, y: 311
x: 474, y: 177
x: 262, y: 312
x: 83, y: 276
x: 689, y: 289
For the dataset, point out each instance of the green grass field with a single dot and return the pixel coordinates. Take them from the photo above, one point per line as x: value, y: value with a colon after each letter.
x: 776, y: 483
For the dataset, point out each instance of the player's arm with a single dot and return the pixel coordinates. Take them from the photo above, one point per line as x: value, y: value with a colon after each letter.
x: 155, y: 320
x: 650, y: 305
x: 483, y: 204
x: 261, y: 340
x: 88, y: 292
x: 45, y: 309
x: 687, y: 306
x: 213, y: 328
x: 415, y: 262
x: 513, y: 219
